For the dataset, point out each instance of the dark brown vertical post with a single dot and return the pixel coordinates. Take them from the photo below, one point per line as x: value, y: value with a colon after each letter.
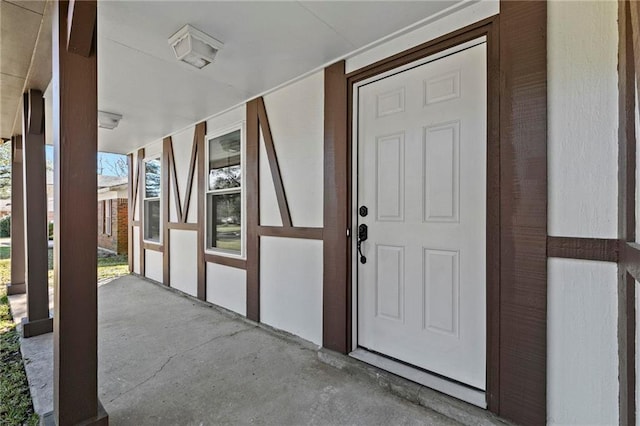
x: 523, y: 169
x: 36, y: 238
x: 253, y: 211
x: 139, y: 200
x: 200, y: 132
x: 17, y: 285
x: 336, y: 303
x: 75, y: 135
x: 165, y: 191
x: 626, y: 214
x: 130, y: 209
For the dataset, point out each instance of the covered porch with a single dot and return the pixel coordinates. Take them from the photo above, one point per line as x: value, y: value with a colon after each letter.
x: 175, y: 360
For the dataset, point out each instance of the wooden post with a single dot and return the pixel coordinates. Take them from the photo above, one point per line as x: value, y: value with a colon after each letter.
x: 75, y: 136
x: 17, y: 285
x: 38, y: 320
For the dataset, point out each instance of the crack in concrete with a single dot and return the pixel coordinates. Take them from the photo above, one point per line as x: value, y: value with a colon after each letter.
x: 168, y: 360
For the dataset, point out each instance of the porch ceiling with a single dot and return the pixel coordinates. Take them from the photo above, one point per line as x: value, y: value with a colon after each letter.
x: 265, y: 44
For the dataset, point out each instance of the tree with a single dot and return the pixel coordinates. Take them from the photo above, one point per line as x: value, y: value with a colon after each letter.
x: 5, y: 170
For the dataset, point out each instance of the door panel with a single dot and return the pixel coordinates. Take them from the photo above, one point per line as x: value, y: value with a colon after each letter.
x: 421, y: 137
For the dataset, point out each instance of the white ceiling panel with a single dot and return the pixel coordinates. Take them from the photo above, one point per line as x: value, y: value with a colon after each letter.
x: 265, y: 44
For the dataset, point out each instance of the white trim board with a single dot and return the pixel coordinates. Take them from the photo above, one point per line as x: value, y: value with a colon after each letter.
x: 464, y: 393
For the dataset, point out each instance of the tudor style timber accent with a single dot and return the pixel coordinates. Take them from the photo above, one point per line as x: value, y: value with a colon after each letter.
x: 75, y: 136
x: 252, y: 174
x: 130, y: 209
x: 165, y: 172
x: 36, y: 238
x: 17, y: 285
x: 138, y: 197
x: 199, y: 135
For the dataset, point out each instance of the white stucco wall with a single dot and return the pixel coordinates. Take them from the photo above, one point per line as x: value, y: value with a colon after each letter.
x: 296, y: 119
x: 227, y: 287
x: 153, y: 265
x: 582, y: 374
x: 182, y: 145
x: 183, y: 268
x: 460, y: 16
x: 291, y: 286
x: 582, y: 369
x: 583, y: 118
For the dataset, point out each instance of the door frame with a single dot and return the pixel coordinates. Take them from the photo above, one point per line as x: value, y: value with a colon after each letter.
x: 454, y: 49
x: 489, y: 29
x: 338, y: 294
x: 517, y: 179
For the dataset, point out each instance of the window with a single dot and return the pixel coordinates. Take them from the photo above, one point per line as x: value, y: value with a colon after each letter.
x: 224, y: 194
x: 152, y: 200
x: 107, y: 217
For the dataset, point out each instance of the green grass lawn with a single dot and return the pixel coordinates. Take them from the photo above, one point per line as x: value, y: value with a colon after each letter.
x: 16, y: 407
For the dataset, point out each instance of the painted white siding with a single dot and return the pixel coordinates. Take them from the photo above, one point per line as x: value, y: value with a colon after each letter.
x: 296, y: 118
x: 455, y: 18
x: 227, y: 287
x: 269, y: 210
x: 582, y: 369
x: 583, y: 124
x: 291, y: 286
x: 153, y: 265
x: 183, y: 261
x: 182, y: 145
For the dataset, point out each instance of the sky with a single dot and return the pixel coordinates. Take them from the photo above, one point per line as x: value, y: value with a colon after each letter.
x: 107, y: 158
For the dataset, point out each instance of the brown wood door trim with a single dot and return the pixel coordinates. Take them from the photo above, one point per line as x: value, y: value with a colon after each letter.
x: 597, y: 249
x: 516, y: 334
x: 153, y: 247
x: 628, y: 39
x: 183, y: 226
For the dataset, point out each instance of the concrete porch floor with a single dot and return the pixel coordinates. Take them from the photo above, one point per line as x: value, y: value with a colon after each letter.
x: 167, y: 359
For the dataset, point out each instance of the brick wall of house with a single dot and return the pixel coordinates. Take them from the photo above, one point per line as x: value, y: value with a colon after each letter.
x: 117, y: 241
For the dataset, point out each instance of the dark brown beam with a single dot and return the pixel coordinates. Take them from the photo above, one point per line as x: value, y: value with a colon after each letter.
x: 167, y: 152
x: 199, y: 134
x: 252, y: 187
x: 82, y: 27
x: 75, y: 124
x: 598, y: 249
x: 281, y: 195
x: 336, y: 292
x: 36, y: 238
x: 626, y: 209
x: 138, y: 197
x: 35, y: 119
x: 153, y: 246
x: 292, y: 232
x: 183, y: 226
x: 130, y: 209
x: 226, y: 261
x: 523, y: 213
x: 17, y: 284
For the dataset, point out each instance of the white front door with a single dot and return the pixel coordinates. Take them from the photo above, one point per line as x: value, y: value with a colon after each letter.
x: 421, y: 144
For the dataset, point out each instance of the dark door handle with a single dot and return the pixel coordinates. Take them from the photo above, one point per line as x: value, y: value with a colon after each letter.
x: 363, y: 234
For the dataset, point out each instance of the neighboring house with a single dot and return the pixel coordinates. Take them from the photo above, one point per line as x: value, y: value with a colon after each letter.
x: 113, y: 213
x: 5, y: 207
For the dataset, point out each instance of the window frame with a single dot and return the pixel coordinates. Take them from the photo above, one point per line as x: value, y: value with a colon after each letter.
x: 143, y: 189
x: 241, y: 126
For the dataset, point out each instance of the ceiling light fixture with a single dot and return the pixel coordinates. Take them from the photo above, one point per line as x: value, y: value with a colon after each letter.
x: 194, y: 47
x: 108, y: 120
